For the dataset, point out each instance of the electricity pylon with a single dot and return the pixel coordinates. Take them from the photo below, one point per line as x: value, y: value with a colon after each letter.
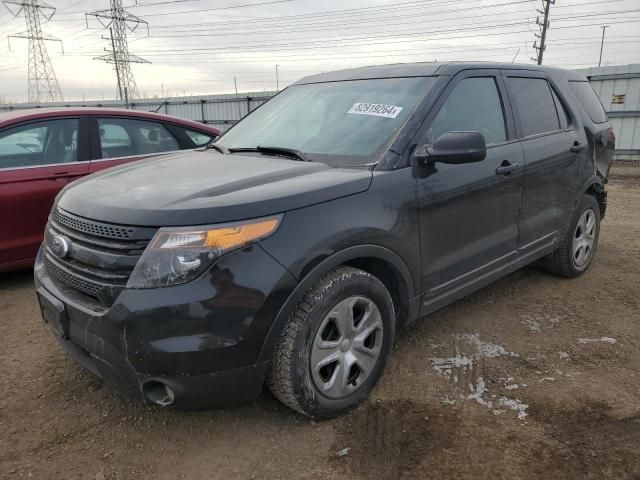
x: 42, y: 82
x: 118, y: 21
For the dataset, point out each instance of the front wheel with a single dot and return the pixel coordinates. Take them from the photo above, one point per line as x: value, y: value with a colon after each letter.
x: 578, y: 247
x: 335, y: 345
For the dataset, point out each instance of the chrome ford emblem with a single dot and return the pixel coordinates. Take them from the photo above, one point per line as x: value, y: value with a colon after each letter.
x: 60, y: 246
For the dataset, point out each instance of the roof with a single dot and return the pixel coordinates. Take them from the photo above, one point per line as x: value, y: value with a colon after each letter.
x: 425, y: 69
x: 14, y: 116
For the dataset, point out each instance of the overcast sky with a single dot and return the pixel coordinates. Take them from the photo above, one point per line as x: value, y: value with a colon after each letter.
x: 198, y: 46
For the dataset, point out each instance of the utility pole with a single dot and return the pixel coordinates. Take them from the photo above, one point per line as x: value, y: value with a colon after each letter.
x: 277, y: 79
x: 42, y: 84
x: 544, y: 25
x: 118, y: 21
x: 604, y: 29
x: 235, y: 84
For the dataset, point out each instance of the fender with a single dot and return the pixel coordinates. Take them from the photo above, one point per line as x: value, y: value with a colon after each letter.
x: 596, y: 182
x: 593, y: 180
x: 320, y: 270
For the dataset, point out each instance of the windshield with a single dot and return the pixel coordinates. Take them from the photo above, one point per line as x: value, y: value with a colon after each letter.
x: 338, y: 123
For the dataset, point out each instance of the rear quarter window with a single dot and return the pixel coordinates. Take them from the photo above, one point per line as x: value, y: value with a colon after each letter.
x: 198, y: 138
x: 589, y: 101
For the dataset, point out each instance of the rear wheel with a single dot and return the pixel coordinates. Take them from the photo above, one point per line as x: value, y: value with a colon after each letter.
x: 578, y: 247
x: 334, y: 348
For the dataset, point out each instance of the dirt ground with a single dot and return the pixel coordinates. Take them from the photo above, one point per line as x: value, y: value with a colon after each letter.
x: 532, y: 377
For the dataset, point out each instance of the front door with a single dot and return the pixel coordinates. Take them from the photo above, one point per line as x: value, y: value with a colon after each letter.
x: 37, y: 160
x: 469, y: 212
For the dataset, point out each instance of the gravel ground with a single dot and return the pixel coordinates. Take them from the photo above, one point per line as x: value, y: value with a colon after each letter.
x: 532, y: 377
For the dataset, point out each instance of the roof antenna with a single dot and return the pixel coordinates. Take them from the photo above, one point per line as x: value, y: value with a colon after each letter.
x: 515, y: 56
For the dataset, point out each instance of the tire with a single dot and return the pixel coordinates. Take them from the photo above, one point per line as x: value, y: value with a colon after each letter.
x: 314, y: 371
x: 566, y: 261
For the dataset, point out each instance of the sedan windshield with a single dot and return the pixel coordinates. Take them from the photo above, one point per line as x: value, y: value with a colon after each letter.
x: 339, y: 123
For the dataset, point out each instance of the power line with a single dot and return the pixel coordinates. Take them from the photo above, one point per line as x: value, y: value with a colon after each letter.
x: 350, y: 23
x: 381, y: 53
x: 71, y: 5
x: 306, y: 29
x: 414, y: 52
x: 415, y: 4
x: 330, y: 42
x: 230, y: 7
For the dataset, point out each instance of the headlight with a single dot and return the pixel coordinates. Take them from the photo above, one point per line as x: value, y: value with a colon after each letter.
x: 179, y: 254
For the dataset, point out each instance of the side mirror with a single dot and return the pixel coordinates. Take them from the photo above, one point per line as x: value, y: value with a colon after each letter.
x: 454, y: 148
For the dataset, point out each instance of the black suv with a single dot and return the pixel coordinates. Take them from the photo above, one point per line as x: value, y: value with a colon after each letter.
x: 290, y: 251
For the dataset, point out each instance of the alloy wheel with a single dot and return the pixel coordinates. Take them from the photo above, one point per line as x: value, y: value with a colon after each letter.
x: 584, y: 239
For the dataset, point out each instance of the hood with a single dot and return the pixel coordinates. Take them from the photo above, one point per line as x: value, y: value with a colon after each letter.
x: 206, y: 187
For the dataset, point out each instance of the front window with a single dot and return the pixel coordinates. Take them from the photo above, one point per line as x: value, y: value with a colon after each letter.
x: 474, y: 105
x: 43, y: 143
x: 339, y: 123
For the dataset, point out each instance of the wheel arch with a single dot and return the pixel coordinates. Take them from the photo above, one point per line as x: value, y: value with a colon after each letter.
x: 379, y: 261
x: 595, y: 188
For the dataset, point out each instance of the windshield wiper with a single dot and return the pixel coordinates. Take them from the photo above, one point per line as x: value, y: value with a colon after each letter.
x: 219, y: 148
x: 281, y: 151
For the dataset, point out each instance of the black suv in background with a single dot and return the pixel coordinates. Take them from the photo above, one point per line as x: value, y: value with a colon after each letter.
x: 349, y: 204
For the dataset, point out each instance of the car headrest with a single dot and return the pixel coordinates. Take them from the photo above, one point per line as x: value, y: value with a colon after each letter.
x: 154, y: 135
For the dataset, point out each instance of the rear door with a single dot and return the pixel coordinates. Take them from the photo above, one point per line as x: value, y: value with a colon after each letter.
x: 37, y: 160
x: 469, y: 212
x: 118, y: 140
x: 554, y: 150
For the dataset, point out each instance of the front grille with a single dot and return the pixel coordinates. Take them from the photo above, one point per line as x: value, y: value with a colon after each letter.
x: 83, y: 285
x: 91, y: 227
x: 101, y: 256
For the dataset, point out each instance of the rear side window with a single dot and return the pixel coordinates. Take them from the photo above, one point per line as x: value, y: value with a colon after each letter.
x: 474, y: 105
x: 124, y: 137
x: 589, y: 101
x: 535, y: 105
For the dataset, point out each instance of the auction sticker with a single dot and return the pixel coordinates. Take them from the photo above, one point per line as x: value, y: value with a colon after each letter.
x: 375, y: 109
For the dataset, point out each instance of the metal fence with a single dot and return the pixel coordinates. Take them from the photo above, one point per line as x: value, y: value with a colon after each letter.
x: 619, y: 90
x: 221, y: 111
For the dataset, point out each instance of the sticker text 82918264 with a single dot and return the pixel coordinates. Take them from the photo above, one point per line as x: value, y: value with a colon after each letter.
x: 375, y: 109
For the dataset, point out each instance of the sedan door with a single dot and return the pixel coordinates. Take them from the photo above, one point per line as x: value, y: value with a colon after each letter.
x: 37, y: 160
x: 118, y: 140
x: 469, y: 212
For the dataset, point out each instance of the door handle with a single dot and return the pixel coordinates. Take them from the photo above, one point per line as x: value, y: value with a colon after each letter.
x: 577, y: 147
x: 62, y: 174
x: 506, y: 167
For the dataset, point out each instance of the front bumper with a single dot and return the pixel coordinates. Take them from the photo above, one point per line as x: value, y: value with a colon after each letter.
x: 202, y: 339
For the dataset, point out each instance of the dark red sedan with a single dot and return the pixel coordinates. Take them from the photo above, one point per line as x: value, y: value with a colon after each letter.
x: 42, y: 150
